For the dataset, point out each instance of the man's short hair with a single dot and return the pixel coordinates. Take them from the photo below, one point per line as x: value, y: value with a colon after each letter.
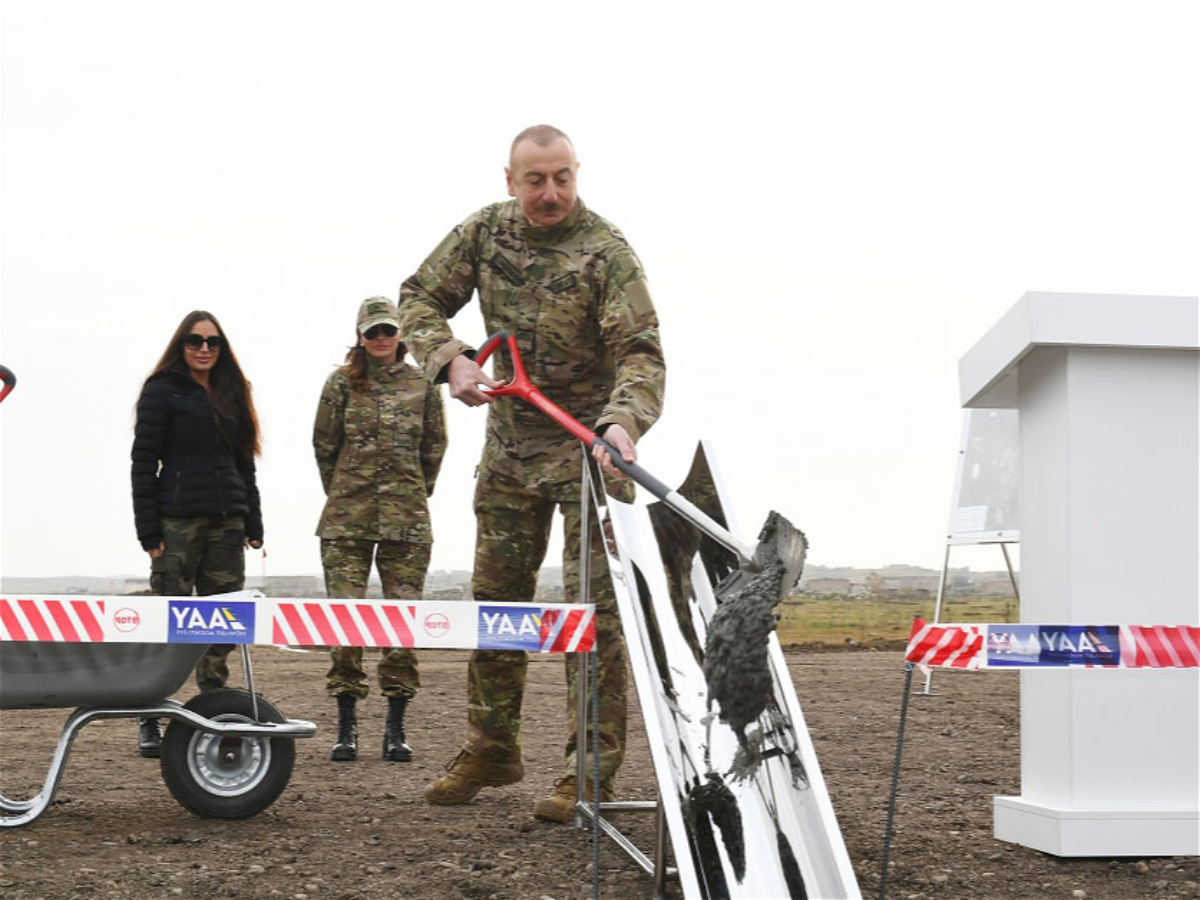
x: 542, y: 135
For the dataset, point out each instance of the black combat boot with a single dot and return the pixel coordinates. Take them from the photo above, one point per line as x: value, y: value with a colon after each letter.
x: 149, y: 739
x: 346, y: 748
x: 394, y: 747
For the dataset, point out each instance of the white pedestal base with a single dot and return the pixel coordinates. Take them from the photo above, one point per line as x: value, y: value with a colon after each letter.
x: 1103, y: 833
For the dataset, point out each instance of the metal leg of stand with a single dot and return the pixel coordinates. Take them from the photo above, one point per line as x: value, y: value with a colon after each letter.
x: 594, y: 665
x: 937, y: 614
x: 582, y: 667
x: 582, y: 689
x: 1011, y: 577
x: 583, y: 670
x: 587, y: 699
x: 660, y: 851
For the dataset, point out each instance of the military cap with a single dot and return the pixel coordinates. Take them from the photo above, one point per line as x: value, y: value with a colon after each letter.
x: 377, y: 311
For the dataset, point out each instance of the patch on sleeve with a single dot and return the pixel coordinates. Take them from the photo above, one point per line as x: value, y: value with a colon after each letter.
x: 324, y: 417
x: 500, y: 264
x: 639, y: 306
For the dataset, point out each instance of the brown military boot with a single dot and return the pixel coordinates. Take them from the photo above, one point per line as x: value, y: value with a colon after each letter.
x: 560, y: 805
x: 467, y: 773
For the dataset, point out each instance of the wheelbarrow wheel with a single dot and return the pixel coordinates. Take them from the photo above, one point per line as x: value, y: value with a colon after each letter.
x: 226, y: 777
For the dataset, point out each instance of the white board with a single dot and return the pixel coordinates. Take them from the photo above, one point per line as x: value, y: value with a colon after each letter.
x: 664, y: 574
x: 986, y: 506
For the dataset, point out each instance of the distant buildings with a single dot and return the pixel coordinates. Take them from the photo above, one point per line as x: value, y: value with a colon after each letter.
x: 840, y: 586
x: 900, y: 581
x: 895, y: 581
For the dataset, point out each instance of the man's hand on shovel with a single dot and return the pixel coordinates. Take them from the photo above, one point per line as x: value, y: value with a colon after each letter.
x: 465, y: 376
x: 622, y: 443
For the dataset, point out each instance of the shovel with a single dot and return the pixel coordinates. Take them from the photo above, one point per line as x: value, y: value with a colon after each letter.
x: 780, y: 543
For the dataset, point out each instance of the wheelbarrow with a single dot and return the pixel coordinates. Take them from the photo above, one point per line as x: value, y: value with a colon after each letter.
x: 227, y: 754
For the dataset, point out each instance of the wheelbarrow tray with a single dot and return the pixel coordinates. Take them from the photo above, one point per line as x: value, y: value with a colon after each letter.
x: 44, y: 674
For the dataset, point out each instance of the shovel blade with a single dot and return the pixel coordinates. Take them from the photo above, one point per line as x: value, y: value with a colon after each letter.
x: 778, y: 561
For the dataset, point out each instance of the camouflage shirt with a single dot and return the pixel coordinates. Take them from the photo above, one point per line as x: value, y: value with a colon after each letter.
x: 575, y: 296
x: 379, y: 450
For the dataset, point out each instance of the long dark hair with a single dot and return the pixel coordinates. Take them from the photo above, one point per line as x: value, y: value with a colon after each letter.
x: 357, y: 361
x: 228, y: 390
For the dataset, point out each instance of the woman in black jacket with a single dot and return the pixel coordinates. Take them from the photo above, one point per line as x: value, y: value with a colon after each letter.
x: 195, y: 499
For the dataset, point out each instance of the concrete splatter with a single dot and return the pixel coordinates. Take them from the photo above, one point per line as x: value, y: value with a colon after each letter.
x: 712, y: 799
x: 736, y: 666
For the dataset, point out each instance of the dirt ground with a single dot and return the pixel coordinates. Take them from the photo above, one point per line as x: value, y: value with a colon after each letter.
x: 353, y: 831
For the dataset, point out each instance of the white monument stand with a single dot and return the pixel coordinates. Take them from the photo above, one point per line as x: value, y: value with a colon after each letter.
x: 1108, y: 389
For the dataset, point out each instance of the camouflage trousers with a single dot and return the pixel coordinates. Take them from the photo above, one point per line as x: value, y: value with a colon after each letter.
x: 206, y: 554
x: 402, y: 566
x: 513, y: 528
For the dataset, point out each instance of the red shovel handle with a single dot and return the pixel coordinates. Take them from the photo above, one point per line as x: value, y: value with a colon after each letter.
x: 9, y: 379
x: 522, y: 387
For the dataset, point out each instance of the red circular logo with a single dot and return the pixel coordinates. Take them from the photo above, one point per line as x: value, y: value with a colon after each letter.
x: 437, y: 625
x: 126, y: 620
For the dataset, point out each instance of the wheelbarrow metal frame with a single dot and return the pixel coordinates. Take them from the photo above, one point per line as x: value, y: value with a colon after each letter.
x: 25, y: 811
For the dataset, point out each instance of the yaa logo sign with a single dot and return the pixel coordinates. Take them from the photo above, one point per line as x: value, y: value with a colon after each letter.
x: 510, y: 628
x: 1053, y: 645
x: 208, y: 622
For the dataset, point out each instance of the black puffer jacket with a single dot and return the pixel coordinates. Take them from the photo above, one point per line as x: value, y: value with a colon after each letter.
x: 201, y: 474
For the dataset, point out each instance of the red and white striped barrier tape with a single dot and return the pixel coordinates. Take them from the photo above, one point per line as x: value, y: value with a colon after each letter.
x: 247, y: 617
x: 76, y: 619
x: 970, y: 646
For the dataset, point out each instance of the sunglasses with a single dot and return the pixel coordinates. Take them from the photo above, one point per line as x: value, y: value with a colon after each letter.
x: 196, y: 341
x: 376, y: 330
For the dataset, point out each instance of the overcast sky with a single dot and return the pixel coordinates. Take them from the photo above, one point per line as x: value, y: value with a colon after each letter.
x: 832, y: 201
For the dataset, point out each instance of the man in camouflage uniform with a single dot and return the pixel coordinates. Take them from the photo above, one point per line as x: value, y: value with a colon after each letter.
x: 379, y: 439
x: 571, y: 289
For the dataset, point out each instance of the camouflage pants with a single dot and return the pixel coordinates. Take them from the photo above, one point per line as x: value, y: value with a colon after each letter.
x: 206, y: 554
x: 402, y: 567
x: 513, y: 528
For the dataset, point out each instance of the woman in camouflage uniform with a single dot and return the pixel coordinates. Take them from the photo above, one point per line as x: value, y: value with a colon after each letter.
x: 195, y: 494
x: 379, y: 438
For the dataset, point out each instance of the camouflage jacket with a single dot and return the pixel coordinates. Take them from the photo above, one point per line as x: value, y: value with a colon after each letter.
x: 575, y: 296
x: 379, y: 451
